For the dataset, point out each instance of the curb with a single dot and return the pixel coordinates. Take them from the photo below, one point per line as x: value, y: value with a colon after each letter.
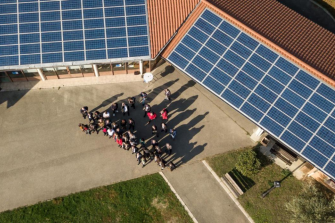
x: 228, y: 191
x: 179, y: 198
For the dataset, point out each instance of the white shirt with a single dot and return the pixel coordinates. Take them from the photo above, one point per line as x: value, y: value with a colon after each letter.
x: 106, y: 115
x: 125, y: 108
x: 110, y: 132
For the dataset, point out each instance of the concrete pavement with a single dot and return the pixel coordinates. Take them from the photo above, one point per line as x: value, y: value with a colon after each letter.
x: 44, y: 155
x: 203, y: 195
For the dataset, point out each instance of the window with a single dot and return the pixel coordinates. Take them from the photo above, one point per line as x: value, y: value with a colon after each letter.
x: 4, y: 78
x: 16, y: 74
x: 119, y: 66
x: 31, y: 73
x: 75, y: 69
x: 133, y: 65
x: 104, y: 67
x: 61, y: 70
x: 49, y: 71
x: 87, y: 69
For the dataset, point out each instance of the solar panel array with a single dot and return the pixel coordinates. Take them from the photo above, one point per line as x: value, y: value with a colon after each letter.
x: 283, y: 99
x: 44, y: 31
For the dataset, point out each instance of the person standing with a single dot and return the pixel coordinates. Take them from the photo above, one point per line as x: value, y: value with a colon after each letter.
x: 110, y: 133
x: 84, y: 111
x: 172, y: 166
x: 167, y: 93
x: 173, y: 133
x: 152, y: 116
x: 114, y: 108
x: 123, y: 124
x: 131, y: 123
x: 146, y: 108
x: 96, y: 115
x: 125, y: 109
x: 90, y: 117
x: 133, y: 149
x: 131, y: 102
x: 164, y: 127
x: 168, y: 148
x: 143, y: 160
x: 106, y: 115
x: 143, y: 96
x: 154, y: 130
x: 164, y: 114
x: 138, y: 157
x: 162, y: 163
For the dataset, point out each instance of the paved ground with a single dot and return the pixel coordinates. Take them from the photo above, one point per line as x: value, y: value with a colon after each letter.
x: 311, y: 11
x: 44, y: 155
x: 203, y: 195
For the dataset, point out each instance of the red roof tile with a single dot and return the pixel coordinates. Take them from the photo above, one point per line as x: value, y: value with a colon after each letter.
x: 165, y: 17
x: 295, y: 37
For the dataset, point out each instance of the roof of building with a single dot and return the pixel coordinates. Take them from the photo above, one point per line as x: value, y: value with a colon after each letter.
x: 294, y: 36
x: 58, y: 33
x: 165, y: 17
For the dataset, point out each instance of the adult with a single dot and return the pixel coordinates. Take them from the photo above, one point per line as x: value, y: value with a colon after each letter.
x: 110, y: 133
x: 123, y: 124
x: 164, y: 127
x: 172, y: 166
x: 125, y: 109
x: 96, y: 115
x: 90, y: 117
x: 168, y: 148
x: 167, y: 93
x: 84, y: 111
x: 146, y: 108
x: 131, y: 124
x: 144, y: 97
x: 151, y: 116
x: 154, y: 130
x: 114, y: 108
x: 173, y: 133
x: 164, y: 114
x: 106, y: 115
x: 131, y: 102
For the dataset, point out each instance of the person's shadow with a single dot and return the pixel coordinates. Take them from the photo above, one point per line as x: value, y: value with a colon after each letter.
x: 107, y: 102
x: 183, y: 88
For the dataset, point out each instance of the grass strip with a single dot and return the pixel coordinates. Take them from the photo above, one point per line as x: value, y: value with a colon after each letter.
x: 146, y: 199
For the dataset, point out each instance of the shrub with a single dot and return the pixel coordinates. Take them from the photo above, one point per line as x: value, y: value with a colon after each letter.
x: 248, y: 163
x: 311, y: 205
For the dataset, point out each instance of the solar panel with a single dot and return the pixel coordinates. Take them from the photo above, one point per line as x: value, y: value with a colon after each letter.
x: 276, y: 94
x: 85, y: 30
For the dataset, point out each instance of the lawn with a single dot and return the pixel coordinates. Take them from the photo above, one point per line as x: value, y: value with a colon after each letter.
x: 271, y: 208
x: 146, y: 199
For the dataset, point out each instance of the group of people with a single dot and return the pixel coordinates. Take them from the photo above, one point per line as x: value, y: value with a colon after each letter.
x: 123, y: 132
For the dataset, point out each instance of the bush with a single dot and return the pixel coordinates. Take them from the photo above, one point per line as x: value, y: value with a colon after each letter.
x: 311, y: 205
x: 248, y: 163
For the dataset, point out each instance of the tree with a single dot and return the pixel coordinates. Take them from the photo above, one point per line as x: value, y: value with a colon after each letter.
x: 248, y: 163
x: 311, y: 205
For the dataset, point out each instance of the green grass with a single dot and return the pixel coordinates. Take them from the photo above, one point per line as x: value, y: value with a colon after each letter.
x: 271, y: 208
x: 146, y: 199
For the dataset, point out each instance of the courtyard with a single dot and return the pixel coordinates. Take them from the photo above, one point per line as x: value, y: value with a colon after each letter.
x: 44, y: 154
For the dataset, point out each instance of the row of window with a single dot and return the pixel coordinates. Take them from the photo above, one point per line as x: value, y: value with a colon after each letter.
x: 71, y: 71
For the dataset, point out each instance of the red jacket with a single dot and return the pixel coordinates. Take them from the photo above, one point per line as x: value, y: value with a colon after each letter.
x: 151, y: 117
x: 165, y: 115
x: 119, y: 141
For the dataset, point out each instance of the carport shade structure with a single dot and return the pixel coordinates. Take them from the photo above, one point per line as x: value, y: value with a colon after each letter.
x: 289, y: 99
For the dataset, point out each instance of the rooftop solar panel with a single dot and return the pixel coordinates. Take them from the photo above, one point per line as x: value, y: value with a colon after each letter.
x: 99, y: 28
x: 273, y: 92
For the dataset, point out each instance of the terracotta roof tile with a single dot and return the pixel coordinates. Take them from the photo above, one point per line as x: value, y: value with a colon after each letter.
x: 289, y: 30
x: 292, y: 35
x: 165, y: 17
